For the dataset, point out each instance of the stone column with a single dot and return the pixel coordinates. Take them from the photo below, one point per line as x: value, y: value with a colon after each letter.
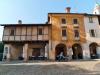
x: 50, y: 50
x: 25, y: 52
x: 86, y: 51
x: 7, y: 52
x: 69, y: 53
x: 46, y: 51
x: 98, y: 51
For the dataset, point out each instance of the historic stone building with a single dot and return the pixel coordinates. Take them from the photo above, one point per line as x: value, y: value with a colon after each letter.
x: 77, y: 35
x: 26, y: 40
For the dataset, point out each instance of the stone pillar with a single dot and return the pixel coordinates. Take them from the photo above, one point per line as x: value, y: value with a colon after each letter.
x: 86, y: 51
x: 50, y: 50
x: 46, y: 51
x: 25, y: 52
x: 98, y: 51
x: 7, y: 52
x: 69, y: 53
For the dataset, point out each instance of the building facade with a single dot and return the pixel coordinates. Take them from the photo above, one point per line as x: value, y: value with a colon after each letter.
x: 76, y: 35
x: 68, y: 34
x: 26, y: 40
x: 92, y: 29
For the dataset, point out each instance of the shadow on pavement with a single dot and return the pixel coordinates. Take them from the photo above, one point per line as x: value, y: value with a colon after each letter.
x: 54, y: 69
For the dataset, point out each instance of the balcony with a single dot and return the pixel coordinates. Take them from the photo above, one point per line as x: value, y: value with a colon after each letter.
x: 63, y: 25
x: 77, y: 38
x: 76, y: 25
x: 64, y: 38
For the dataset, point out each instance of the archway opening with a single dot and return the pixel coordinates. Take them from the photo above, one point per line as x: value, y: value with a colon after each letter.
x: 93, y: 50
x: 60, y: 48
x: 77, y: 51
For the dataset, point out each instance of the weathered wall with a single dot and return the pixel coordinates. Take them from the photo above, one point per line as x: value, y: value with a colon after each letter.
x: 57, y: 27
x: 25, y: 33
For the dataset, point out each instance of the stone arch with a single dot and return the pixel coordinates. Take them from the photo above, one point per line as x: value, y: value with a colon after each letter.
x: 77, y: 51
x: 93, y: 50
x: 60, y: 48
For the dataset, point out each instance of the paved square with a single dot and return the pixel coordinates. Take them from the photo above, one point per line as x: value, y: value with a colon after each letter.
x: 51, y: 68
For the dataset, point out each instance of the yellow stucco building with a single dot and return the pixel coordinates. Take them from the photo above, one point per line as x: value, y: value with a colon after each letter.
x: 67, y: 33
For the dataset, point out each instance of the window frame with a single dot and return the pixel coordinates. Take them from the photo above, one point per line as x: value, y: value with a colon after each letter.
x: 76, y: 35
x: 64, y: 32
x: 92, y: 34
x: 63, y: 21
x: 75, y: 22
x: 6, y: 50
x: 12, y: 32
x: 90, y: 19
x: 40, y: 32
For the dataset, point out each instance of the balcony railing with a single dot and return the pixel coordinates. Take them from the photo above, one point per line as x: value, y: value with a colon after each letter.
x: 63, y: 25
x: 76, y: 25
x: 77, y: 38
x: 25, y: 37
x: 64, y: 38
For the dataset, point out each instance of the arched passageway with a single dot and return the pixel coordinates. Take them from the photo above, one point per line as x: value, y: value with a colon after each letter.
x: 77, y: 51
x: 60, y: 48
x: 93, y: 50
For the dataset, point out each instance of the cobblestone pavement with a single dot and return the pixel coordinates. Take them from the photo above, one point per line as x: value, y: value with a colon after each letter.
x: 50, y: 68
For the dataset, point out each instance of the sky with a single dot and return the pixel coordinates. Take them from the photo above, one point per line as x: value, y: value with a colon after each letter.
x: 36, y: 11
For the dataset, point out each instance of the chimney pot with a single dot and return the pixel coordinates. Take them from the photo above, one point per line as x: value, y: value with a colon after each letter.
x: 19, y: 21
x: 68, y: 9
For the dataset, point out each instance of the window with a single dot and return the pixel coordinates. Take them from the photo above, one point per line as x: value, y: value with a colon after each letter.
x: 75, y: 21
x: 40, y: 32
x: 6, y: 50
x: 64, y: 34
x: 63, y: 21
x: 90, y: 20
x: 76, y: 32
x: 12, y: 32
x: 92, y: 33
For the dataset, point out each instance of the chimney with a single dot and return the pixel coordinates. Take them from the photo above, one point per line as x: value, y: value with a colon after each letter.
x: 68, y: 10
x: 19, y: 21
